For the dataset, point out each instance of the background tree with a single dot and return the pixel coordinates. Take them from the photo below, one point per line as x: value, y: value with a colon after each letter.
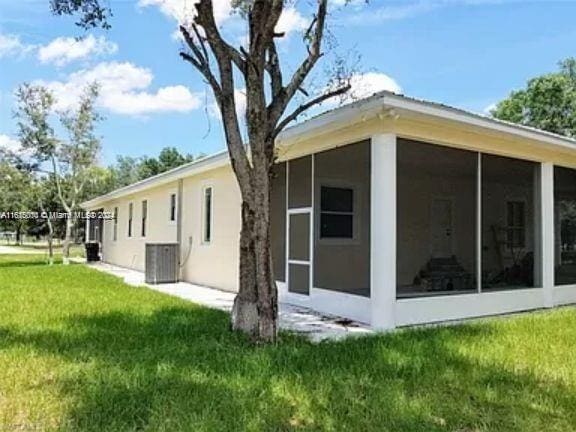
x: 548, y: 102
x: 269, y: 109
x: 15, y: 196
x: 69, y: 160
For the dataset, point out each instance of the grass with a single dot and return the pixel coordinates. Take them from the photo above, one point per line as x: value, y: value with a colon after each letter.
x: 76, y: 250
x: 80, y: 350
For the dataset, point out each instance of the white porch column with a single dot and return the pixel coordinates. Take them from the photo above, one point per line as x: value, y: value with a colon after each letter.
x: 547, y: 261
x: 383, y: 232
x: 87, y: 233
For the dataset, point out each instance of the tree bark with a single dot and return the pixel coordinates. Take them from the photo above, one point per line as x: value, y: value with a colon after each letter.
x: 245, y: 311
x: 67, y: 239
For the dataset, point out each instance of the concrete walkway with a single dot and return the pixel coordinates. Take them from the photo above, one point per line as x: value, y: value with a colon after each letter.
x: 17, y: 250
x: 316, y: 326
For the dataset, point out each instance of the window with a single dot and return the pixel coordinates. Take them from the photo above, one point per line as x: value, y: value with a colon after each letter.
x: 336, y: 212
x: 516, y: 229
x: 207, y: 234
x: 144, y: 216
x: 172, y: 207
x: 115, y: 223
x: 130, y: 215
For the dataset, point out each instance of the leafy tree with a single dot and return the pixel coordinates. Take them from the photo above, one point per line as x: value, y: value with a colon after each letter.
x: 15, y: 196
x: 69, y: 160
x: 548, y: 102
x: 270, y: 93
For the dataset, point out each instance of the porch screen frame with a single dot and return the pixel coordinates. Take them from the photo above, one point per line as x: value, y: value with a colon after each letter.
x: 537, y: 227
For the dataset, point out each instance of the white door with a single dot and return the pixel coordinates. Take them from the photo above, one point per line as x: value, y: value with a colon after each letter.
x: 442, y: 228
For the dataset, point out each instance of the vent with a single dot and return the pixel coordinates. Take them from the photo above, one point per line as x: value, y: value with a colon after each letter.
x: 161, y: 263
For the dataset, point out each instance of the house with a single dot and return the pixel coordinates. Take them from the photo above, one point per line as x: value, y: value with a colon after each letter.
x: 391, y: 211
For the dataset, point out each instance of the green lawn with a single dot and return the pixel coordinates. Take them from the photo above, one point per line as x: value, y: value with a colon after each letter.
x: 80, y: 350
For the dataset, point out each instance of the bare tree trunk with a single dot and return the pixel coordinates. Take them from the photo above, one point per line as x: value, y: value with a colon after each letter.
x: 267, y: 292
x: 50, y: 243
x: 67, y: 239
x: 245, y: 310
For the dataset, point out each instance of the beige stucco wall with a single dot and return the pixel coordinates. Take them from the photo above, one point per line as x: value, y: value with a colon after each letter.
x: 129, y: 251
x: 214, y: 264
x: 209, y: 264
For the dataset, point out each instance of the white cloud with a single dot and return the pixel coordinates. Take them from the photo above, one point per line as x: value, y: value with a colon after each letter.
x: 183, y: 10
x: 488, y: 110
x: 11, y: 45
x: 64, y: 50
x: 239, y: 98
x: 365, y: 85
x: 123, y: 90
x: 291, y: 20
x: 9, y: 143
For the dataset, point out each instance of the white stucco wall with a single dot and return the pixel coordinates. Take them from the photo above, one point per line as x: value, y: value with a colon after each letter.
x: 211, y: 264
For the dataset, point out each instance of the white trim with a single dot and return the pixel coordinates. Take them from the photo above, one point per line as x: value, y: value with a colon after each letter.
x: 563, y: 295
x: 287, y: 223
x: 383, y: 233
x: 547, y: 232
x: 311, y: 242
x: 479, y: 224
x: 423, y: 310
x: 337, y: 303
x: 299, y: 262
x: 300, y: 210
x: 290, y: 261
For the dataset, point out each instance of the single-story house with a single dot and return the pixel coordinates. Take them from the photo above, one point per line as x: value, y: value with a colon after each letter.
x: 391, y: 211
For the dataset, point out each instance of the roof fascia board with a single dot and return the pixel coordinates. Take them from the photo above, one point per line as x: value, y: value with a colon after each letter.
x: 485, y: 123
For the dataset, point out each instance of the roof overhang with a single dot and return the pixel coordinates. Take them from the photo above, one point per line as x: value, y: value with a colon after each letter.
x: 383, y: 104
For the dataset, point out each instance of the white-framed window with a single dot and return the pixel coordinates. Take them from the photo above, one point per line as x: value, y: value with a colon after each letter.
x: 130, y: 218
x: 144, y: 216
x: 173, y: 204
x: 207, y: 214
x: 115, y: 223
x: 516, y: 224
x: 337, y: 212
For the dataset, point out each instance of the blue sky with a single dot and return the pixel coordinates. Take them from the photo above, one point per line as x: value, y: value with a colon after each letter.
x: 466, y: 53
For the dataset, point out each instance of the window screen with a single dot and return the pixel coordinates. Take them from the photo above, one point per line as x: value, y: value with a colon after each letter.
x: 172, y: 207
x: 130, y: 215
x: 336, y: 212
x: 207, y: 237
x: 144, y: 217
x: 115, y: 223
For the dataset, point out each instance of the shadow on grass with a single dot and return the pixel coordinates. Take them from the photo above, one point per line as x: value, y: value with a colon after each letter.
x: 180, y: 368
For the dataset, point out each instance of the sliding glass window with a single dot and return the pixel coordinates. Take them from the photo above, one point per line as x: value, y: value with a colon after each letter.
x: 509, y: 223
x: 436, y: 214
x: 565, y: 226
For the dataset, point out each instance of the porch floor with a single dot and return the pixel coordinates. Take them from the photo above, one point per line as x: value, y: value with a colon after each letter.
x: 314, y: 325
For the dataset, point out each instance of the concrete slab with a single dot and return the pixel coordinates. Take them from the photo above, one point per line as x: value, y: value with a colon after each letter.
x: 305, y: 321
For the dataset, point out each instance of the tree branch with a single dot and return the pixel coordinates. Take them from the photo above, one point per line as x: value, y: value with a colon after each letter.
x: 316, y: 33
x: 306, y: 106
